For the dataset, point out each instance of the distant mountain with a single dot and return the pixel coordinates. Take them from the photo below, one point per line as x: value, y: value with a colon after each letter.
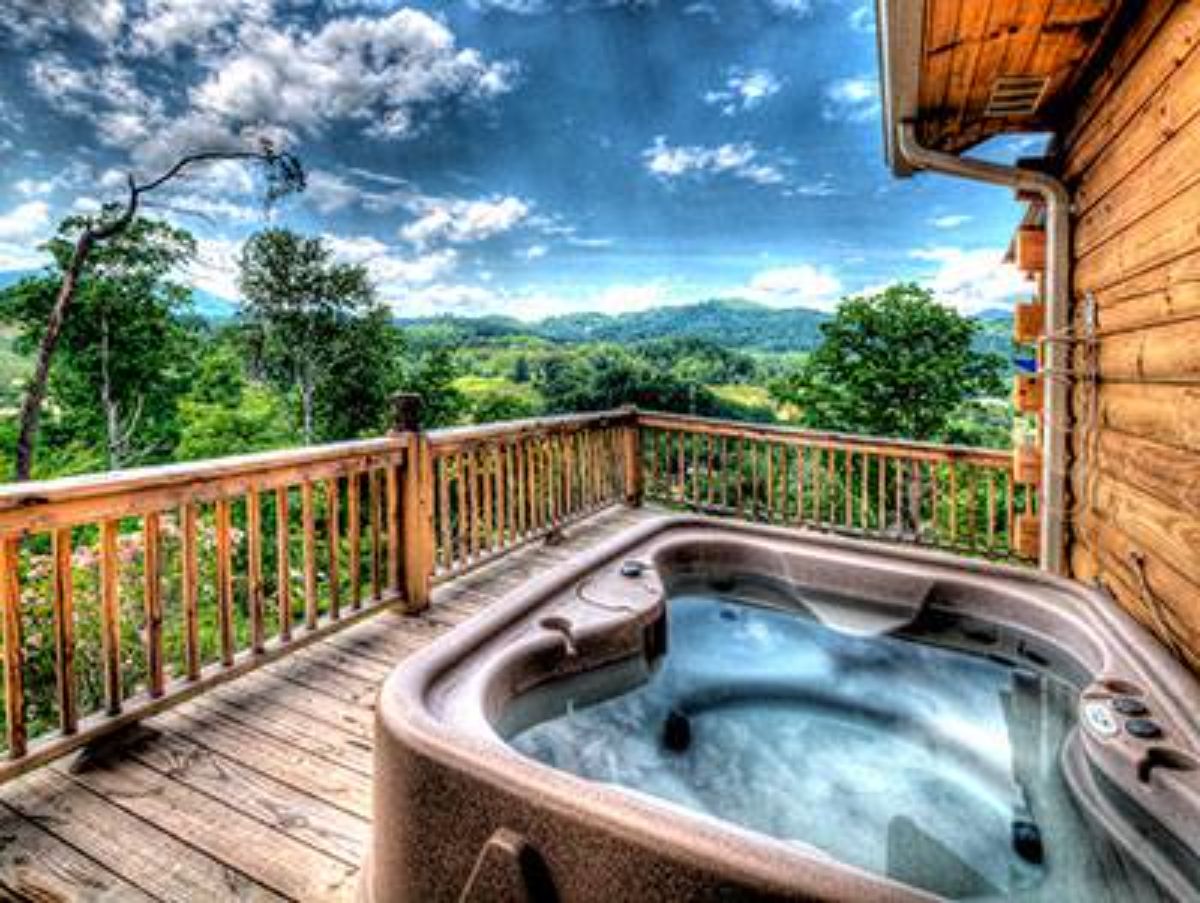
x: 732, y: 322
x: 492, y: 326
x: 11, y: 277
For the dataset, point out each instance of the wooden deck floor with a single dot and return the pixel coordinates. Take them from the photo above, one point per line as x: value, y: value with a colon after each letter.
x: 258, y: 790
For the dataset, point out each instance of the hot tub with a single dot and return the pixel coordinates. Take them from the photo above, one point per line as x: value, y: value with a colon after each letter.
x: 705, y: 711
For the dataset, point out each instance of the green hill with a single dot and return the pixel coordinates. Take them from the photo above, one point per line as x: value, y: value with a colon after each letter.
x: 729, y: 322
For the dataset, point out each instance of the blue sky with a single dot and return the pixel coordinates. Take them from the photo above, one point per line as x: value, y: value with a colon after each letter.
x: 527, y: 157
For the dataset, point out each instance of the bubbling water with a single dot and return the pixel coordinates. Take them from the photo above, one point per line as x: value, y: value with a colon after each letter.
x: 925, y: 764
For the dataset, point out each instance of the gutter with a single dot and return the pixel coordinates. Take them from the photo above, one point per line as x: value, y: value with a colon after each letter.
x: 901, y: 26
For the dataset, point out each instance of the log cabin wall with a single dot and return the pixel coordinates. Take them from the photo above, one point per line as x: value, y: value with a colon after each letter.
x: 1131, y: 156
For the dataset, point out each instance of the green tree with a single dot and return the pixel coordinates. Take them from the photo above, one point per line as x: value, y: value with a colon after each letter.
x: 122, y: 359
x: 226, y: 413
x: 308, y: 320
x: 606, y: 377
x: 431, y: 375
x: 893, y: 364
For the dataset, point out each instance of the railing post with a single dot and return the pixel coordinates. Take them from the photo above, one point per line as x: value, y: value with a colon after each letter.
x: 416, y: 504
x: 633, y: 458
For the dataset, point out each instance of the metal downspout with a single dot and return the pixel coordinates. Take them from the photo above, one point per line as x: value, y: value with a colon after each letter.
x: 1056, y: 373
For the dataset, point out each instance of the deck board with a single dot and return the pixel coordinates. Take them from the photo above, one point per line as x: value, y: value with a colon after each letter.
x: 257, y: 790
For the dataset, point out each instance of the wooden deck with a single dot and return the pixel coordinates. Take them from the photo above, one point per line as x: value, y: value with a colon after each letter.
x: 260, y: 789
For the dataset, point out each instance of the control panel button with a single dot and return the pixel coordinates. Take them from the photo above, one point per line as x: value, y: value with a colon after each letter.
x: 1127, y: 705
x: 1143, y: 728
x: 1100, y: 719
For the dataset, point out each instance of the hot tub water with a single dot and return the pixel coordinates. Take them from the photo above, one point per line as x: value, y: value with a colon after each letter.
x: 933, y: 766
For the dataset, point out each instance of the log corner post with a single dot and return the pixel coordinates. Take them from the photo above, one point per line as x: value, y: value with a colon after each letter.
x: 416, y: 505
x: 633, y: 458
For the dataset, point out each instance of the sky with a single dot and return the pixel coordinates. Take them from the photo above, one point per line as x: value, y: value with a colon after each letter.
x: 519, y: 157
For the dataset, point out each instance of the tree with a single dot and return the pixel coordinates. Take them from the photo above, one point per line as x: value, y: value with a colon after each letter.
x: 359, y: 375
x: 432, y: 377
x: 607, y: 377
x: 226, y: 413
x: 893, y: 364
x: 309, y: 321
x: 121, y: 360
x: 284, y: 175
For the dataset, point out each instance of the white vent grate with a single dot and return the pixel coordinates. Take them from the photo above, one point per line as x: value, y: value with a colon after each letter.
x: 1016, y: 95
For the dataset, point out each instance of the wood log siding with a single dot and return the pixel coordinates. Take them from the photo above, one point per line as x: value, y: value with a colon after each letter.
x: 261, y: 550
x: 1129, y: 158
x: 962, y: 499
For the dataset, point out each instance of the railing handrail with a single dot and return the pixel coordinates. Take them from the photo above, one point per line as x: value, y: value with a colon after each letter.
x: 40, y: 492
x: 531, y: 426
x: 825, y: 439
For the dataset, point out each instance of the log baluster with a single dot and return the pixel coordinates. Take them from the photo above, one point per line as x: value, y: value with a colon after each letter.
x: 64, y: 630
x: 152, y: 602
x: 189, y: 590
x: 110, y: 616
x: 254, y: 576
x: 14, y: 647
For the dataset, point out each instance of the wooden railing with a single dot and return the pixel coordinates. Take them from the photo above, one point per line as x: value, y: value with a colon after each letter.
x: 131, y: 591
x: 957, y: 498
x: 503, y: 485
x: 125, y: 593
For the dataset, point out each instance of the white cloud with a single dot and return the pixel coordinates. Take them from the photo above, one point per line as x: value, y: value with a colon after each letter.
x: 395, y: 276
x: 851, y: 99
x: 624, y: 298
x: 21, y: 256
x: 744, y: 90
x: 215, y: 267
x: 476, y: 300
x: 950, y: 221
x: 185, y: 207
x: 107, y: 95
x: 168, y: 24
x: 799, y: 8
x: 590, y: 243
x: 742, y: 160
x: 802, y: 285
x: 971, y: 281
x: 32, y: 20
x: 329, y: 192
x: 34, y: 187
x: 379, y: 72
x: 25, y: 221
x: 463, y: 222
x: 535, y: 252
x: 518, y: 7
x: 447, y: 298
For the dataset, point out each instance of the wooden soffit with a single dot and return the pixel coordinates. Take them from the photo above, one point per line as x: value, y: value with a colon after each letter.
x: 994, y: 66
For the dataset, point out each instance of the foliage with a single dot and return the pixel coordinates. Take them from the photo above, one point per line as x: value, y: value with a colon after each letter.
x: 306, y: 316
x: 607, y: 377
x: 432, y: 376
x: 123, y: 356
x: 225, y: 413
x: 893, y: 364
